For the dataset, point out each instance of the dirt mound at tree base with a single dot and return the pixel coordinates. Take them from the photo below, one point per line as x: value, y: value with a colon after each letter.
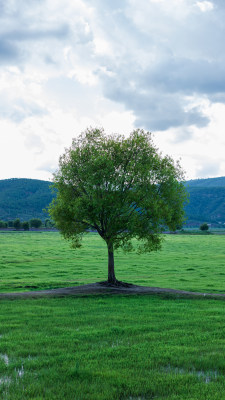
x: 104, y: 288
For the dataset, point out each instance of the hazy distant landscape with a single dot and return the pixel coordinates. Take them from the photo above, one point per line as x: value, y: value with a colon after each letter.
x: 26, y: 199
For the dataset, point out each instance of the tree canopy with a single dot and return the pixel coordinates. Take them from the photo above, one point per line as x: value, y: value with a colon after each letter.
x: 35, y: 223
x: 204, y: 227
x: 121, y: 187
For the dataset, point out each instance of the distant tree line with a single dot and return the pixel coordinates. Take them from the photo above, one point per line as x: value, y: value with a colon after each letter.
x: 36, y: 223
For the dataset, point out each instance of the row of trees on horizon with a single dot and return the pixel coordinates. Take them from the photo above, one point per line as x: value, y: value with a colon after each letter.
x: 36, y: 223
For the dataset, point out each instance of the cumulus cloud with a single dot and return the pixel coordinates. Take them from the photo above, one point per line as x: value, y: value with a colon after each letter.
x: 49, y: 167
x: 208, y: 168
x: 35, y: 142
x: 167, y: 54
x: 157, y: 65
x: 18, y: 35
x: 17, y: 110
x: 8, y: 52
x: 153, y: 58
x: 205, y: 5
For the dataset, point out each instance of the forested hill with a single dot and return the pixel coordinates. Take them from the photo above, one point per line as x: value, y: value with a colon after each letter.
x: 26, y: 199
x: 206, y: 183
x: 206, y: 201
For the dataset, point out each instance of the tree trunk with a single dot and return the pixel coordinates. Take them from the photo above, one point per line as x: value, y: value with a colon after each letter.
x: 111, y: 271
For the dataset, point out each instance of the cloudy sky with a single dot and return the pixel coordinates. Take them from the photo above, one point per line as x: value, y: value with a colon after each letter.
x: 154, y: 64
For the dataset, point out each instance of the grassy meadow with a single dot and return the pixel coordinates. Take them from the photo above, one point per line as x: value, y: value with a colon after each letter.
x: 115, y: 347
x: 112, y: 347
x: 39, y: 260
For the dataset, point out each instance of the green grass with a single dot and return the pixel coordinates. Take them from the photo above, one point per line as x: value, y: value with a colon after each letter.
x: 31, y: 261
x: 112, y: 347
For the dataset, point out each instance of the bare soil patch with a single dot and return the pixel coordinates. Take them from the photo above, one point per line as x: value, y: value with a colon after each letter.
x: 104, y: 288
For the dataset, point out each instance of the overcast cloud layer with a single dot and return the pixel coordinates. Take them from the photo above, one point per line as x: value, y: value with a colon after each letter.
x: 153, y: 64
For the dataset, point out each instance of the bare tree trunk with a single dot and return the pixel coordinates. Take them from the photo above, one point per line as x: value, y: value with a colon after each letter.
x: 111, y: 271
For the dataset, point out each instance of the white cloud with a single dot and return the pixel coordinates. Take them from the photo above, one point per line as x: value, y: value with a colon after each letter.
x: 205, y: 5
x: 67, y: 65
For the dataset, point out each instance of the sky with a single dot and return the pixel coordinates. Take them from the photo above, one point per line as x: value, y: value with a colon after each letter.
x: 69, y: 65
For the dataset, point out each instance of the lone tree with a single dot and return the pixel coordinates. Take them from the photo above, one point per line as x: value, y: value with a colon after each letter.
x: 123, y: 188
x: 204, y: 227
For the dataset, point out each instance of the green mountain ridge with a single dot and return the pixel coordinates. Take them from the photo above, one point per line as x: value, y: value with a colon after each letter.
x: 26, y: 198
x: 206, y: 183
x: 206, y: 205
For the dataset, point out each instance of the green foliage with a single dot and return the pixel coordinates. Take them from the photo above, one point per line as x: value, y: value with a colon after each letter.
x: 25, y: 225
x: 17, y: 223
x: 121, y: 187
x: 204, y: 227
x: 3, y: 224
x: 48, y: 223
x: 206, y: 203
x: 24, y: 198
x: 35, y: 223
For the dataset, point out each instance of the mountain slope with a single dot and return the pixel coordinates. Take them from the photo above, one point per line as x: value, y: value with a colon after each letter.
x: 26, y: 198
x: 206, y: 183
x: 206, y: 201
x: 206, y: 205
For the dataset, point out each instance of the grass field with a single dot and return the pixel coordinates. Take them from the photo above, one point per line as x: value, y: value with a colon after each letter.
x: 44, y: 260
x: 111, y: 347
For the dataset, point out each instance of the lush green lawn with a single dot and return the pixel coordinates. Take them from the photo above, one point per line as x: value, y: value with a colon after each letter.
x: 112, y: 347
x: 44, y: 260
